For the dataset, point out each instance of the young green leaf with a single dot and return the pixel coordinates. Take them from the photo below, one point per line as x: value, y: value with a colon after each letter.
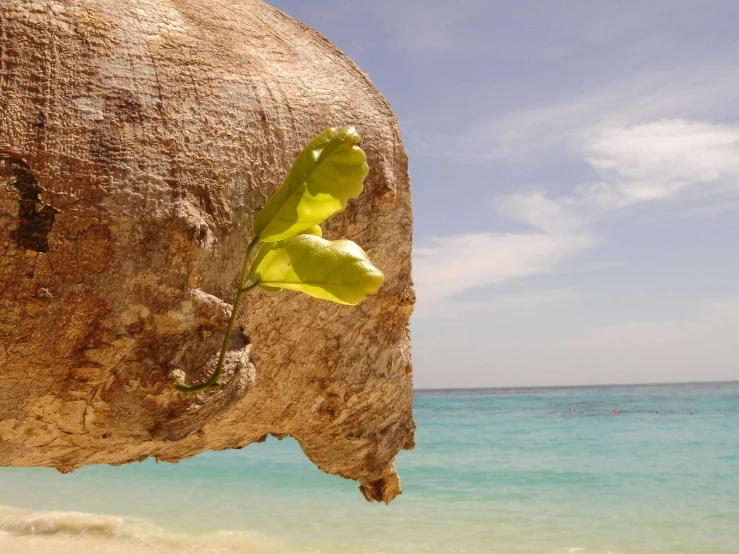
x: 315, y: 230
x: 338, y: 270
x: 326, y: 174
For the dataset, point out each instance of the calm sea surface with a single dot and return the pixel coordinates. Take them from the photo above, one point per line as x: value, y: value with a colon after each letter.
x: 495, y: 471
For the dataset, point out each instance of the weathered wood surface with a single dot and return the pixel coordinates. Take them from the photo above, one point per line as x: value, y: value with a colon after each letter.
x: 138, y: 138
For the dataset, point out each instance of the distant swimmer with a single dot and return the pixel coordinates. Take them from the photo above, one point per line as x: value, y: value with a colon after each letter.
x: 573, y: 410
x: 616, y: 411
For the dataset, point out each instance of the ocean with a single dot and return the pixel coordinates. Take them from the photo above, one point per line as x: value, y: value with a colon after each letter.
x: 509, y: 471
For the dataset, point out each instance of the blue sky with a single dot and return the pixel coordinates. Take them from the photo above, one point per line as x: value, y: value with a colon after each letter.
x: 575, y: 181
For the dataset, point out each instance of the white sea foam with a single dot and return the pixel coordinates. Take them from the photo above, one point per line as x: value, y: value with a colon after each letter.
x: 55, y: 532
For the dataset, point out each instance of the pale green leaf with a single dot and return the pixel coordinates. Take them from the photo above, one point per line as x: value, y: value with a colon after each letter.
x: 326, y: 174
x: 338, y: 270
x: 315, y: 230
x: 267, y: 246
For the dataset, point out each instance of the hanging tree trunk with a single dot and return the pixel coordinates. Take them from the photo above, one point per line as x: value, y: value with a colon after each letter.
x: 138, y: 138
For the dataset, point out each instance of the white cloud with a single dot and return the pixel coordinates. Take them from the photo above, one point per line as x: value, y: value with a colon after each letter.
x: 452, y: 265
x: 569, y: 124
x: 648, y: 138
x: 554, y: 216
x: 449, y: 266
x: 661, y: 160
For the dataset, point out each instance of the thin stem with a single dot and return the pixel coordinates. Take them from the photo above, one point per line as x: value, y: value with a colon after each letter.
x: 247, y: 289
x: 232, y: 320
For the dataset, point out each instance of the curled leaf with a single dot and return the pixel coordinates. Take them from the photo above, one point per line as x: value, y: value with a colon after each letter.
x: 326, y: 174
x: 339, y: 270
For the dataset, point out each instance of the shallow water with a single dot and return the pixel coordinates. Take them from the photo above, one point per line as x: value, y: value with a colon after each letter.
x: 495, y: 471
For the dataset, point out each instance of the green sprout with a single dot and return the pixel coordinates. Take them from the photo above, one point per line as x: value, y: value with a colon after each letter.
x: 326, y: 174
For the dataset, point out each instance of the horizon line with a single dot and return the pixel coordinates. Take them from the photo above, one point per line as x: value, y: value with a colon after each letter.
x: 646, y: 384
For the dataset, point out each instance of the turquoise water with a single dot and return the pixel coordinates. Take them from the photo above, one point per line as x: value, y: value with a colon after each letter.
x: 495, y: 471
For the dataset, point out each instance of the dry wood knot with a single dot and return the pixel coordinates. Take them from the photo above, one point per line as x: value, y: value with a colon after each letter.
x: 35, y: 223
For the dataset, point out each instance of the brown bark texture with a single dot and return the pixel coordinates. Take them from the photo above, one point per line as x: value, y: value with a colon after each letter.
x: 138, y: 139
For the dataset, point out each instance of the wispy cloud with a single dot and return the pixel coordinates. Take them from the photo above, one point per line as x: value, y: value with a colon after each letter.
x: 659, y: 161
x: 448, y: 266
x: 569, y: 124
x: 662, y: 160
x: 553, y: 216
